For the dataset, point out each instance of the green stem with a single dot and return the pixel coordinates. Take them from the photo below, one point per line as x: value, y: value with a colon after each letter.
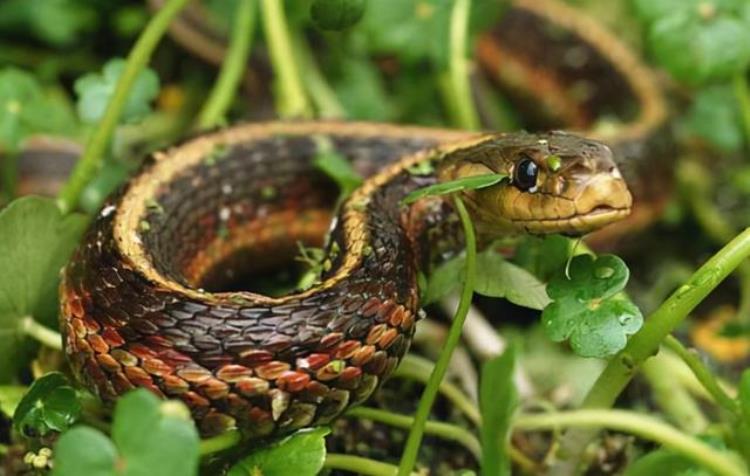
x: 220, y: 442
x: 643, y: 426
x: 645, y: 343
x: 704, y: 376
x: 409, y: 456
x: 95, y: 150
x: 418, y: 368
x: 320, y: 92
x: 457, y: 88
x: 232, y: 67
x: 28, y: 326
x: 443, y: 430
x: 359, y: 465
x: 291, y: 100
x: 673, y: 398
x: 742, y: 91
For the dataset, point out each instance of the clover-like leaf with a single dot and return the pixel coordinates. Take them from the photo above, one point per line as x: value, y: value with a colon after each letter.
x: 26, y: 109
x: 35, y: 242
x: 95, y: 90
x: 301, y: 454
x: 337, y: 14
x: 588, y: 307
x: 51, y: 404
x: 149, y: 436
x: 474, y: 182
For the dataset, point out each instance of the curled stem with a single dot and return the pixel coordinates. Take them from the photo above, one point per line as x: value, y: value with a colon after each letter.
x: 443, y: 430
x: 220, y: 442
x: 704, y: 376
x: 646, y: 427
x: 359, y: 465
x: 409, y: 456
x: 419, y: 369
x: 40, y: 333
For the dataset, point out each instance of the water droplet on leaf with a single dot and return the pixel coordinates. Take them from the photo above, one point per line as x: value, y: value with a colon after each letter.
x: 604, y: 272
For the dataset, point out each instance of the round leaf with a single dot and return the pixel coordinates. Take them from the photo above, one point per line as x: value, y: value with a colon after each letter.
x: 301, y: 454
x: 588, y: 309
x: 50, y: 404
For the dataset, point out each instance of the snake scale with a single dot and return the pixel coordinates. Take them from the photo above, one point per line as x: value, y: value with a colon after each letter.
x: 147, y: 299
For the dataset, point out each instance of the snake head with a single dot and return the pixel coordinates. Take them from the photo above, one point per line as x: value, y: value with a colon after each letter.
x: 557, y: 183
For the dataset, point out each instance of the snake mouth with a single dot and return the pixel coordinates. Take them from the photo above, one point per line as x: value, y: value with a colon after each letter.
x: 578, y: 224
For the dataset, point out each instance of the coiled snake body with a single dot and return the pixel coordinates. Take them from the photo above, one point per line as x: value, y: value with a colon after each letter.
x: 144, y: 300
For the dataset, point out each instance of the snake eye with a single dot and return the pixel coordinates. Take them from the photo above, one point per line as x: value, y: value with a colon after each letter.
x: 525, y: 174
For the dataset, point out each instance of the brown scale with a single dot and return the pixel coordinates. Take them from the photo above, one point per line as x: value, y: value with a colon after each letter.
x: 264, y: 367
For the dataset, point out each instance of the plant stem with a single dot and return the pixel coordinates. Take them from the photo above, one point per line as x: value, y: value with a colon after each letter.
x: 457, y: 88
x: 418, y: 368
x: 28, y: 326
x: 704, y: 376
x: 409, y: 456
x: 645, y: 343
x: 291, y: 100
x: 232, y: 67
x: 742, y: 91
x: 641, y: 425
x: 675, y: 401
x: 220, y: 442
x: 94, y: 153
x: 324, y: 98
x: 359, y: 465
x: 443, y: 430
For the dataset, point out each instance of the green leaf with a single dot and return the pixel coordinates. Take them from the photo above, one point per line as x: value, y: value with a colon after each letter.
x: 444, y: 279
x: 715, y: 117
x: 664, y: 463
x: 588, y: 309
x: 26, y: 109
x: 543, y: 257
x: 57, y: 22
x: 495, y: 277
x: 409, y: 29
x: 10, y: 397
x: 336, y: 167
x: 361, y: 90
x: 147, y: 434
x: 35, y: 242
x: 301, y: 454
x: 499, y: 278
x: 702, y: 43
x: 84, y: 450
x: 95, y: 90
x: 337, y: 14
x: 51, y: 404
x: 443, y: 188
x: 497, y: 401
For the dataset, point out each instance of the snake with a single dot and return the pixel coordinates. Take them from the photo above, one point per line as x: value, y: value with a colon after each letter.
x: 156, y: 296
